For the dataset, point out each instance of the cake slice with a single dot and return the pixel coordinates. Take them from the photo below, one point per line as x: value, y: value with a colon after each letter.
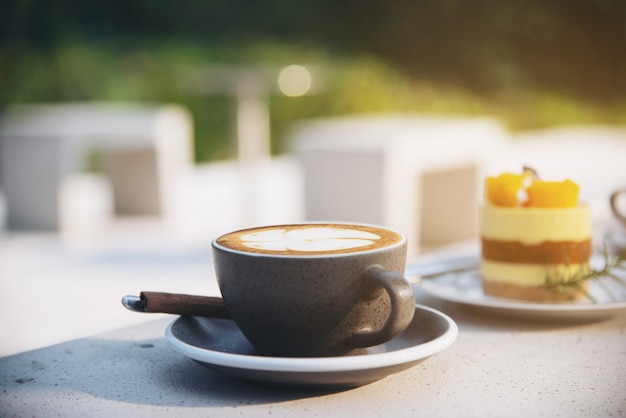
x: 536, y: 239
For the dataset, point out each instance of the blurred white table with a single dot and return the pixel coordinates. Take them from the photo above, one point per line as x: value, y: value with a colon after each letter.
x: 497, y: 366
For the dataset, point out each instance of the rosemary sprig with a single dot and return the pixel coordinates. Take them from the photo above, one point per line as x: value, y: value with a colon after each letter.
x: 560, y: 285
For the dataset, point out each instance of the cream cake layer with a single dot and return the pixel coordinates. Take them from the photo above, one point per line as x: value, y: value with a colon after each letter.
x: 535, y: 225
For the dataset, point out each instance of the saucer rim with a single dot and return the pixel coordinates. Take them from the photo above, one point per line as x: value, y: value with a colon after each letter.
x: 360, y: 362
x: 434, y: 288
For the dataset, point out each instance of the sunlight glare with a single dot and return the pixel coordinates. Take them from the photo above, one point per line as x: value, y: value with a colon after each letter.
x: 294, y: 80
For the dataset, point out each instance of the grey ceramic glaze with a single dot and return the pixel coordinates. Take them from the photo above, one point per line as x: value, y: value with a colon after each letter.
x: 316, y: 305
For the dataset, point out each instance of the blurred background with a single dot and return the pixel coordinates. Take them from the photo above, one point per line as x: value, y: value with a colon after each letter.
x: 134, y: 132
x: 530, y: 64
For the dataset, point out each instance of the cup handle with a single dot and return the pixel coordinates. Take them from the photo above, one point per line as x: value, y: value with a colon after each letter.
x: 402, y: 307
x: 620, y: 216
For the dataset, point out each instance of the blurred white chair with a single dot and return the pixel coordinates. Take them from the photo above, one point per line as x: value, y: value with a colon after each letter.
x: 219, y: 197
x: 145, y: 150
x: 419, y: 175
x: 85, y: 207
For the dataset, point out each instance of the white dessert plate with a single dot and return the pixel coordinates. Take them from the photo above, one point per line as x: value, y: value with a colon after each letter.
x: 465, y: 288
x: 220, y: 345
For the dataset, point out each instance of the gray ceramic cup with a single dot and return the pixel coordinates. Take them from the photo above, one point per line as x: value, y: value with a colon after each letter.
x: 315, y: 289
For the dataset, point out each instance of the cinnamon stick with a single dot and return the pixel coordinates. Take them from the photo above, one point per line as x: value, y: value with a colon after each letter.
x: 184, y: 305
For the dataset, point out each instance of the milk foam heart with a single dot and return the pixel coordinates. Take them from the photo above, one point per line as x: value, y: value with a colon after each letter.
x: 309, y: 239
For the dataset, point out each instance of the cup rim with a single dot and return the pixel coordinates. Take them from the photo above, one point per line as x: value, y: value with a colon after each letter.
x: 400, y: 243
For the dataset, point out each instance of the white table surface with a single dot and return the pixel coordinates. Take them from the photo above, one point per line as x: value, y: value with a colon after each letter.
x: 121, y: 364
x: 495, y: 368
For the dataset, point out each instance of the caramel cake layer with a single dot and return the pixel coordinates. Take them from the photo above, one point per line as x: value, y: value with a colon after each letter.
x: 531, y: 293
x: 547, y: 252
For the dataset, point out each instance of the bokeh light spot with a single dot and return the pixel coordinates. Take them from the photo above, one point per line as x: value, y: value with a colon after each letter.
x: 294, y: 80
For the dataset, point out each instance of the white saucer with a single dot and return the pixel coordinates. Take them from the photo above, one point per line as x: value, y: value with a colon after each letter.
x: 466, y: 288
x: 220, y: 345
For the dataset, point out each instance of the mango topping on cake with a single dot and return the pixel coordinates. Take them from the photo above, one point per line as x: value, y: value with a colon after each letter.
x: 527, y: 190
x: 552, y: 194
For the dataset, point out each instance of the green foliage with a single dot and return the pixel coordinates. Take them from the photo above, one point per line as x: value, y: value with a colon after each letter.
x: 352, y: 84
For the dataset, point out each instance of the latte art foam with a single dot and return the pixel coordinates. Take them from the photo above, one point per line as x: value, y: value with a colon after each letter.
x: 309, y: 239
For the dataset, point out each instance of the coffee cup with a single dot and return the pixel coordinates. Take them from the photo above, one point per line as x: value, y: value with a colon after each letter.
x: 315, y: 289
x: 618, y: 211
